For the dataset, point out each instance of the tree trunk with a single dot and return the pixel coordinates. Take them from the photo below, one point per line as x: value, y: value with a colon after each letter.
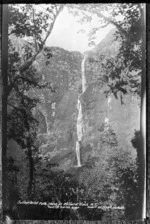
x: 4, y: 102
x: 148, y: 109
x: 139, y: 212
x: 31, y: 169
x: 142, y: 153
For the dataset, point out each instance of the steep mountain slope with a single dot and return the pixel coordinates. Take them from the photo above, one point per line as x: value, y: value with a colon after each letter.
x: 83, y: 129
x: 58, y: 111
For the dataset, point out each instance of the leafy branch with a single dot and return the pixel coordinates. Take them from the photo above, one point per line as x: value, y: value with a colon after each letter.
x: 29, y: 62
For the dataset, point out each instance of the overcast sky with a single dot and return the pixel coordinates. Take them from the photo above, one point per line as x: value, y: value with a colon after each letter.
x: 65, y: 33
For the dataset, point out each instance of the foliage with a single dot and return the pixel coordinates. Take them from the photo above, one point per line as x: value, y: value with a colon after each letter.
x: 38, y: 212
x: 54, y: 185
x: 123, y: 72
x: 137, y: 144
x: 125, y: 181
x: 25, y: 21
x: 20, y: 105
x: 12, y: 187
x: 114, y: 174
x: 46, y: 182
x: 32, y: 21
x: 19, y: 83
x: 107, y: 136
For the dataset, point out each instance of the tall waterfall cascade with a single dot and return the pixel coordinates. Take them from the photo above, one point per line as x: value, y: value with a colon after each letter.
x: 80, y: 115
x: 109, y: 108
x: 109, y: 102
x: 106, y: 123
x: 53, y: 109
x: 83, y: 74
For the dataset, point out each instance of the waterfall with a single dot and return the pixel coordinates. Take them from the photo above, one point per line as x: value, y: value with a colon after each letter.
x: 53, y: 109
x: 79, y: 121
x: 109, y: 108
x: 78, y: 154
x: 109, y: 102
x: 80, y: 114
x: 83, y: 74
x: 106, y: 123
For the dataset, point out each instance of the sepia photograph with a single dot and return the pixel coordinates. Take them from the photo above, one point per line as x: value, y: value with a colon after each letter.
x: 73, y: 112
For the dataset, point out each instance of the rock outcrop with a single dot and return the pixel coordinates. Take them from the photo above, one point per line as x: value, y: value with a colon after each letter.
x: 58, y: 111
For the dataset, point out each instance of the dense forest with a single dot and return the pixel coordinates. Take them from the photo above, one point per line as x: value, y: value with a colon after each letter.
x: 74, y: 148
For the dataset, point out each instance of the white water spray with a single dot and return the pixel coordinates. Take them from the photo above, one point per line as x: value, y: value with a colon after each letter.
x: 79, y: 121
x: 78, y: 154
x: 109, y: 108
x: 109, y: 102
x: 83, y: 74
x: 80, y: 115
x: 106, y: 123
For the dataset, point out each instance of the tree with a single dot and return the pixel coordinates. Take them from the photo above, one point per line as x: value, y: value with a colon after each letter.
x: 20, y: 107
x: 12, y: 187
x: 23, y: 78
x: 26, y: 21
x: 33, y: 24
x: 123, y: 72
x: 55, y: 185
x: 138, y: 145
x: 125, y: 182
x: 4, y: 101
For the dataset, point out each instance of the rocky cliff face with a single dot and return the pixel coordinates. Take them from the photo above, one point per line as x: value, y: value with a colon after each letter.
x: 58, y: 111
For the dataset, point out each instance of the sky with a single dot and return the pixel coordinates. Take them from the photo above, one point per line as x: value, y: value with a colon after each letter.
x: 66, y: 35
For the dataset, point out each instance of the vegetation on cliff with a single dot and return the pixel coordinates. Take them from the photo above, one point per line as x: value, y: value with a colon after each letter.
x: 43, y: 87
